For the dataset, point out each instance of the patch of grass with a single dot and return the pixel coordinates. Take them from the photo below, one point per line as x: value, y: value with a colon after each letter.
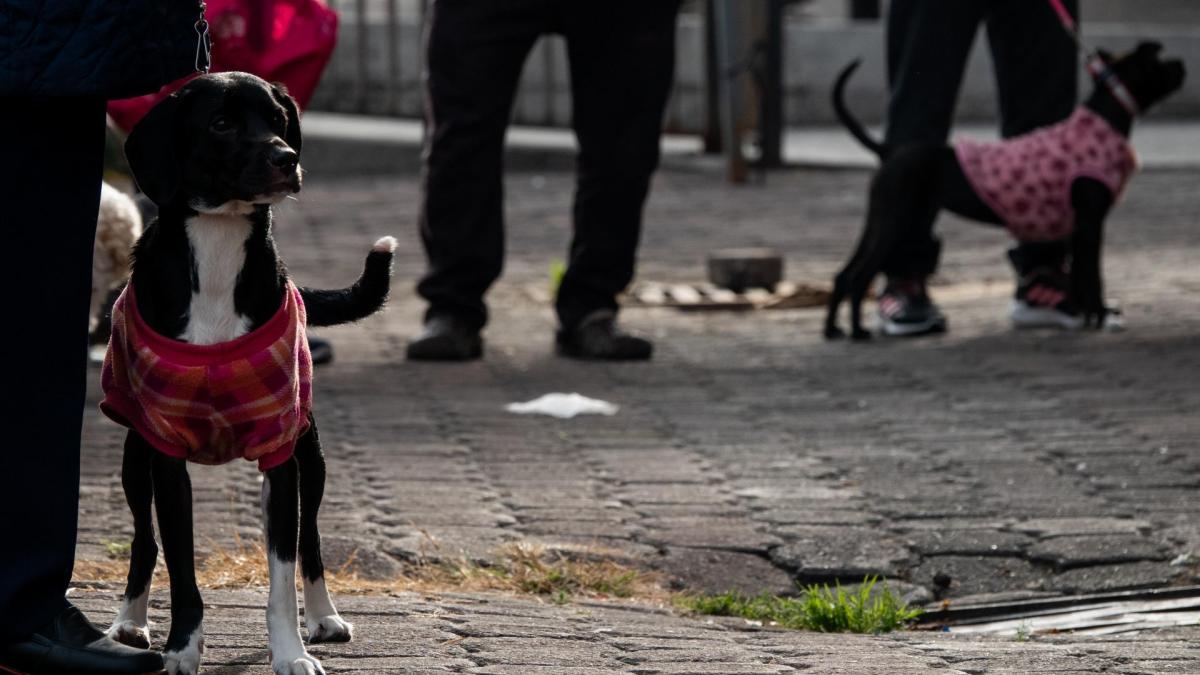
x: 558, y: 269
x: 820, y: 608
x: 518, y: 568
x: 117, y: 548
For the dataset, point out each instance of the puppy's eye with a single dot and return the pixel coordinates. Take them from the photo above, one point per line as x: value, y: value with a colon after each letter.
x: 221, y: 124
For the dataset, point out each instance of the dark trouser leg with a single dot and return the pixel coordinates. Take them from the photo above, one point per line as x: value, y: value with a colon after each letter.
x: 475, y: 52
x: 928, y: 43
x: 1037, y: 71
x: 1036, y: 63
x: 50, y: 169
x: 622, y: 55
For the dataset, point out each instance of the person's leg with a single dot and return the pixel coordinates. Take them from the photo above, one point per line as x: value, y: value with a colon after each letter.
x: 928, y: 44
x: 1037, y: 71
x: 50, y: 191
x: 622, y: 58
x: 475, y: 52
x: 1036, y: 64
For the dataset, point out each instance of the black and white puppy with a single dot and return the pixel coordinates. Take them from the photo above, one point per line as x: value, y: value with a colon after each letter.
x: 917, y: 181
x: 214, y: 157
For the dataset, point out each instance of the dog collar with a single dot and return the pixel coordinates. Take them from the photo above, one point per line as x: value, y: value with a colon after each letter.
x: 1099, y: 69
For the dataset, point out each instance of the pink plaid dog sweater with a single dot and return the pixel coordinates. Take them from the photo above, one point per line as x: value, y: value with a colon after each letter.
x: 211, y: 404
x: 1027, y: 180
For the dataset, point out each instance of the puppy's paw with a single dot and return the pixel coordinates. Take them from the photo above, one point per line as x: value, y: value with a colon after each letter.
x: 130, y: 634
x: 305, y: 665
x: 332, y: 628
x: 185, y: 662
x: 385, y: 245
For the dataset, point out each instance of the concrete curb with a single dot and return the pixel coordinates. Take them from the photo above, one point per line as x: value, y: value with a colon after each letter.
x: 355, y: 145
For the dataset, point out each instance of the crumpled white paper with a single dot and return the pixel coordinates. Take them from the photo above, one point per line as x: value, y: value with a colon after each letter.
x: 563, y: 406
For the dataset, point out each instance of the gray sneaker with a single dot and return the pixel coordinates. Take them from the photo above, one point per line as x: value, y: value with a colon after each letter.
x: 905, y: 310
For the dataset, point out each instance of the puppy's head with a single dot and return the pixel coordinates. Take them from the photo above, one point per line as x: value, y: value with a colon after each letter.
x: 221, y: 144
x: 1147, y: 76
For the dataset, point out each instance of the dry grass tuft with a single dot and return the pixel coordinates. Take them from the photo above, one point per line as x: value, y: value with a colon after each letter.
x: 523, y: 569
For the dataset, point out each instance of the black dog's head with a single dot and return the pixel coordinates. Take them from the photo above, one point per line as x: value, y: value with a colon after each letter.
x: 1147, y: 76
x: 222, y: 143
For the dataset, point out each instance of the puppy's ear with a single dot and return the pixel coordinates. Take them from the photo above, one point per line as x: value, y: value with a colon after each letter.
x: 151, y: 152
x: 293, y: 137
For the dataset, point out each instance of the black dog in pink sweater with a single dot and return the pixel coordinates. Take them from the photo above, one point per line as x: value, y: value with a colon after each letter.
x: 1057, y: 183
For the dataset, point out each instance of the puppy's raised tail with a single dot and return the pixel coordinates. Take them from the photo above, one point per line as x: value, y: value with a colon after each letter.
x: 364, y: 298
x: 847, y: 118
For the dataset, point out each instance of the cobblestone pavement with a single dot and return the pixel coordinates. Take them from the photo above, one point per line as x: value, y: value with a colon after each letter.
x: 498, y: 635
x: 750, y: 453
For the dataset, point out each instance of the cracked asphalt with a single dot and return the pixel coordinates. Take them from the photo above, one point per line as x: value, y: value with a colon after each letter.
x: 749, y: 454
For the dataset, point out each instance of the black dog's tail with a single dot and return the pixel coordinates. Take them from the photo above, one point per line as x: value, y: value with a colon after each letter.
x: 847, y: 118
x: 364, y: 298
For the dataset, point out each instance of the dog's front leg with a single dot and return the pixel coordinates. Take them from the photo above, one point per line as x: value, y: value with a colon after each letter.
x: 280, y: 501
x: 173, y: 497
x: 131, y: 627
x: 320, y: 616
x: 1092, y: 201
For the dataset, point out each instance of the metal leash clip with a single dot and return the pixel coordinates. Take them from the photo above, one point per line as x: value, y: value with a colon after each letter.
x: 203, y: 43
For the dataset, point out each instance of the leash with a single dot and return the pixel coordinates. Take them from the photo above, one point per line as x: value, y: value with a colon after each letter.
x: 203, y: 42
x: 1097, y: 67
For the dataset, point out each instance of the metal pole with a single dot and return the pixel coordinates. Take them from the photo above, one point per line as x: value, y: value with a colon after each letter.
x: 770, y: 120
x: 364, y: 56
x: 712, y: 73
x: 729, y: 89
x: 393, y: 83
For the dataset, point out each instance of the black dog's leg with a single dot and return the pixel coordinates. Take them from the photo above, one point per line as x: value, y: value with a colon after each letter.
x: 281, y: 508
x: 320, y: 616
x: 902, y: 202
x: 173, y: 499
x: 1092, y: 201
x: 131, y: 626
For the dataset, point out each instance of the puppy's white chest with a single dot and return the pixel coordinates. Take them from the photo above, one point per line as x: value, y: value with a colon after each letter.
x: 219, y: 247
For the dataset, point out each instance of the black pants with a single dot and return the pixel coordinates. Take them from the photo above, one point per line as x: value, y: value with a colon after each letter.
x: 50, y: 168
x: 1036, y: 67
x: 622, y: 56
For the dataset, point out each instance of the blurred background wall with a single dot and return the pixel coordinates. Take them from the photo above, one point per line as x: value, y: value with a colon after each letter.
x: 376, y: 67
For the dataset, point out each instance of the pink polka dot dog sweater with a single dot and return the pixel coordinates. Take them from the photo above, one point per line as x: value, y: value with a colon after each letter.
x: 1027, y: 180
x: 211, y: 404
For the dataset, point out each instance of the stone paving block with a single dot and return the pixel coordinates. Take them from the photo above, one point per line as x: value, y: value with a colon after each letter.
x: 1059, y: 527
x: 1070, y: 551
x: 968, y: 542
x: 952, y: 576
x: 829, y: 553
x: 718, y: 571
x: 1113, y: 577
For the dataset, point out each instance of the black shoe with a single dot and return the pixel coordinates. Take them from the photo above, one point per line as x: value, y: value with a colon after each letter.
x: 320, y: 350
x: 446, y: 338
x: 906, y: 310
x: 597, y: 337
x: 71, y: 644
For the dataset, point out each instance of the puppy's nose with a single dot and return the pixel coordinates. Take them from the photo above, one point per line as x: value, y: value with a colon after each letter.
x: 284, y: 158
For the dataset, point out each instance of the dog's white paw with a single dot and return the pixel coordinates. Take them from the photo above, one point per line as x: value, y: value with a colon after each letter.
x: 385, y: 245
x: 332, y: 628
x: 184, y: 662
x: 130, y: 634
x: 305, y: 665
